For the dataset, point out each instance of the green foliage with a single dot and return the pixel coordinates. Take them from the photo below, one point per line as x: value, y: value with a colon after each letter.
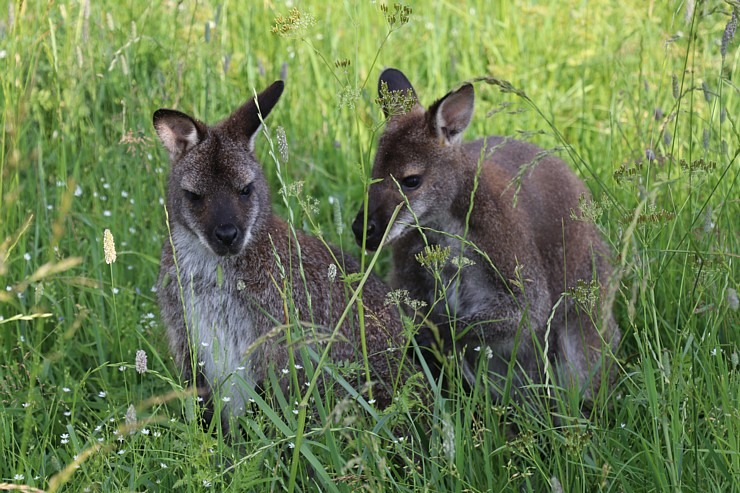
x: 639, y: 97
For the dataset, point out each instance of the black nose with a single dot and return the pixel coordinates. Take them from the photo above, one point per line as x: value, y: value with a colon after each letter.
x: 226, y: 234
x: 372, y: 233
x: 358, y: 230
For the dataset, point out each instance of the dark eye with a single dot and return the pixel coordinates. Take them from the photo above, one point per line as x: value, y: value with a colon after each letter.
x: 246, y: 191
x: 191, y: 196
x: 411, y: 182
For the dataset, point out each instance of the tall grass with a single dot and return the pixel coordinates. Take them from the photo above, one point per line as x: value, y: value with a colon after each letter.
x: 641, y: 97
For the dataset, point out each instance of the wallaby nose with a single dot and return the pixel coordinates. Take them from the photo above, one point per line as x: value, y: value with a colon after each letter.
x: 226, y: 233
x: 357, y: 229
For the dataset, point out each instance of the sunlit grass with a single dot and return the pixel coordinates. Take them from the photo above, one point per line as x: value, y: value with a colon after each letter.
x: 638, y: 95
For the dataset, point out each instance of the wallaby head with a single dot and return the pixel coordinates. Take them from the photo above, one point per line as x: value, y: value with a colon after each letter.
x: 217, y: 190
x: 418, y: 156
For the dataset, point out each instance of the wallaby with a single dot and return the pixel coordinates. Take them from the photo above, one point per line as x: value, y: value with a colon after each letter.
x: 509, y: 262
x: 237, y: 270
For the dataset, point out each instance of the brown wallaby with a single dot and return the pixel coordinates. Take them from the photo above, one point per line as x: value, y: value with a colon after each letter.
x: 238, y: 273
x: 509, y: 262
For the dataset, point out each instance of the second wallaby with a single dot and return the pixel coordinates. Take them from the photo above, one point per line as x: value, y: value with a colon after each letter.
x: 234, y: 275
x: 508, y: 255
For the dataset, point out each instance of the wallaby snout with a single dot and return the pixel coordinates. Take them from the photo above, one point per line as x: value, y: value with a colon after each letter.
x: 372, y: 233
x: 226, y: 234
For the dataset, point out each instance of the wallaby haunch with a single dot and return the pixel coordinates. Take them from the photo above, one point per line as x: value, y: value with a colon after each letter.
x: 238, y: 271
x: 509, y: 262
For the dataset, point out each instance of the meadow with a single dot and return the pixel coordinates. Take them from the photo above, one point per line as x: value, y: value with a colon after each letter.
x: 639, y: 97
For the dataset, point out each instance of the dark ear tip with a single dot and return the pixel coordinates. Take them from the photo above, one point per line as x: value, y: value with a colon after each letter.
x: 160, y: 113
x: 390, y: 71
x: 278, y: 86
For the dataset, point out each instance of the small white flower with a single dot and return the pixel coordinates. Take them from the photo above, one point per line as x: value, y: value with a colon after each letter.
x: 102, y: 394
x: 115, y: 290
x: 66, y: 389
x: 107, y: 213
x: 241, y: 368
x: 99, y: 427
x: 477, y: 349
x: 26, y: 404
x: 106, y: 185
x: 124, y: 194
x: 298, y: 367
x: 204, y: 344
x: 122, y: 451
x: 19, y: 477
x: 623, y: 425
x: 27, y: 256
x: 713, y: 352
x: 140, y: 362
x: 285, y: 371
x: 78, y: 191
x: 163, y: 465
x: 295, y: 411
x: 291, y: 445
x: 206, y: 483
x: 121, y: 368
x: 145, y: 431
x: 226, y: 398
x: 157, y: 434
x: 67, y: 413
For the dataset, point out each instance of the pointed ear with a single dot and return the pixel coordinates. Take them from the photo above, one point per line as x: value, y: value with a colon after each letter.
x: 177, y: 131
x: 451, y: 115
x: 245, y: 121
x: 395, y: 93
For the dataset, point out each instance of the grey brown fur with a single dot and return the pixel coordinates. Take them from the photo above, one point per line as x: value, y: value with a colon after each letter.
x: 221, y: 219
x: 535, y: 241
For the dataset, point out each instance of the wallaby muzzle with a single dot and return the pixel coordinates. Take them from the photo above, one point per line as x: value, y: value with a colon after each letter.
x: 374, y: 232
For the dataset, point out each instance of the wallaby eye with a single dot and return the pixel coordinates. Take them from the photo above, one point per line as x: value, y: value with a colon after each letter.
x: 246, y: 191
x: 191, y: 196
x: 411, y: 182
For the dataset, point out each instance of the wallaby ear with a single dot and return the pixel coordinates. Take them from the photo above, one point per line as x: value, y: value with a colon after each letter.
x: 451, y: 115
x: 395, y: 92
x: 177, y: 131
x: 245, y: 121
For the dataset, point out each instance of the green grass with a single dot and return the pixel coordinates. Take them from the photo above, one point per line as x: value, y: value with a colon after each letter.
x: 609, y: 82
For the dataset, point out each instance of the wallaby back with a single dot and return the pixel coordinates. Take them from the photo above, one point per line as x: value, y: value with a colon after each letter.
x: 514, y: 248
x: 234, y: 275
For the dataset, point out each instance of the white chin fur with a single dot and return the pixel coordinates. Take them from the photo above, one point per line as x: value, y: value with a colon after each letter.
x: 402, y: 225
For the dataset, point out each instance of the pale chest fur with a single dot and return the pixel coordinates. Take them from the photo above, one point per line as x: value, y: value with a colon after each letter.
x: 220, y: 328
x: 465, y: 278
